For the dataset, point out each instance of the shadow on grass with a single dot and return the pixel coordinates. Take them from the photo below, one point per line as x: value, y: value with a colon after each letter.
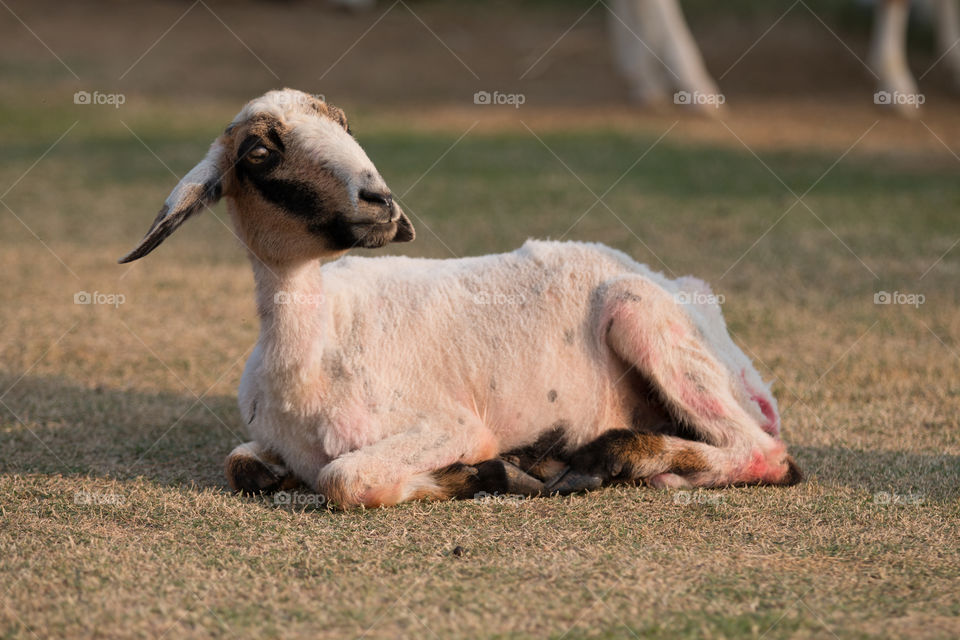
x: 889, y: 475
x: 58, y: 426
x: 176, y: 440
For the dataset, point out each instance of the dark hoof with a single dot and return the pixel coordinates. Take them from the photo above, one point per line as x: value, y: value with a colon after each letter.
x: 572, y: 481
x: 500, y: 476
x: 794, y: 474
x: 249, y: 475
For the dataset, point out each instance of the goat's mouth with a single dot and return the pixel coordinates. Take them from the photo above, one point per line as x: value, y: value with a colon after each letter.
x: 373, y: 235
x: 365, y: 232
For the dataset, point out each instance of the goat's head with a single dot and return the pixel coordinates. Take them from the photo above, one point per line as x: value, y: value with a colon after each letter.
x: 298, y: 185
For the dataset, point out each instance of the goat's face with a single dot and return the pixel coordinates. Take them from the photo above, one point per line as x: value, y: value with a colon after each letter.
x: 297, y: 183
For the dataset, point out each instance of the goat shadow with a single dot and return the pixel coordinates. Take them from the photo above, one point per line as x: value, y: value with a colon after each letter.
x: 171, y: 439
x: 174, y: 440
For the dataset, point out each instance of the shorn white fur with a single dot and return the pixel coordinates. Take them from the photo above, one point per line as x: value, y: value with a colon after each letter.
x: 386, y: 369
x: 371, y: 374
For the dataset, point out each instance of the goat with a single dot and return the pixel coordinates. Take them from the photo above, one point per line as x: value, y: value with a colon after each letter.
x: 381, y: 380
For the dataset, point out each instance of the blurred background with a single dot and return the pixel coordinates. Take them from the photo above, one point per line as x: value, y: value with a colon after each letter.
x: 827, y: 222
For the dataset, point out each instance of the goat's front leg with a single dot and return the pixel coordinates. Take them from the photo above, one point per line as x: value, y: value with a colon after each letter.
x: 425, y: 462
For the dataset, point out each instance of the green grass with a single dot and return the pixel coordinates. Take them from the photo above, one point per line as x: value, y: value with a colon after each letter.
x: 162, y: 546
x: 114, y: 516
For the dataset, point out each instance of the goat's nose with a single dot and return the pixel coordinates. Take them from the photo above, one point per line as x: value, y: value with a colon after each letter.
x: 383, y: 199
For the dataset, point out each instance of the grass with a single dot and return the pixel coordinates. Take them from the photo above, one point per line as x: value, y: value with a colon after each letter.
x: 115, y: 515
x: 114, y: 420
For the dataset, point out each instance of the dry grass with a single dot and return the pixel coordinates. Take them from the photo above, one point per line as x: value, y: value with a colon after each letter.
x: 114, y: 518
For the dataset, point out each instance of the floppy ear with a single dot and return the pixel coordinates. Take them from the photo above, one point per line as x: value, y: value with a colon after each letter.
x: 201, y: 187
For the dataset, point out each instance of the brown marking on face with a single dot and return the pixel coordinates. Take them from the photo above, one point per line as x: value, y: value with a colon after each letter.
x: 293, y: 206
x: 290, y: 201
x: 283, y: 201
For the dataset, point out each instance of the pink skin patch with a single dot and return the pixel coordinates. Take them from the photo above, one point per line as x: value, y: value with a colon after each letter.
x: 760, y: 468
x: 771, y: 423
x: 678, y: 330
x: 700, y: 402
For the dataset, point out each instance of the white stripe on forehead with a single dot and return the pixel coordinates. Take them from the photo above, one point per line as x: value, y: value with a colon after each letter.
x: 319, y: 137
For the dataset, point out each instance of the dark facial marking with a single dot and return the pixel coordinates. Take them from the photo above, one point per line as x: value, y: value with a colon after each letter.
x: 294, y: 197
x: 276, y: 139
x: 552, y: 395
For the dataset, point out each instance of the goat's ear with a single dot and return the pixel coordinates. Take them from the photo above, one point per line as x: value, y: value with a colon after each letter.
x: 200, y: 188
x: 405, y: 232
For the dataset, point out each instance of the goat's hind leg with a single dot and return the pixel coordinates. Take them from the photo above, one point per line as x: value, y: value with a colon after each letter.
x: 251, y: 468
x: 647, y: 328
x: 626, y: 456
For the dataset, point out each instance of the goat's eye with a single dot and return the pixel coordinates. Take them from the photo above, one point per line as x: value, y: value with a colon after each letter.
x: 258, y: 154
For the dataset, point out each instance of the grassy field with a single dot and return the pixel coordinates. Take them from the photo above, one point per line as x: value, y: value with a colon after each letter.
x: 114, y: 418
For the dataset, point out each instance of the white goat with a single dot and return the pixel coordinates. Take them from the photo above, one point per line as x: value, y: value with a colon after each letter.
x: 379, y: 380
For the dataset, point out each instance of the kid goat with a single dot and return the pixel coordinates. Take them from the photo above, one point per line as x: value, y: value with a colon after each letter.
x: 380, y: 380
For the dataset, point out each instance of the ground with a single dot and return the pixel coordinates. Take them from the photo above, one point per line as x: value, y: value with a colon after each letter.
x: 802, y: 204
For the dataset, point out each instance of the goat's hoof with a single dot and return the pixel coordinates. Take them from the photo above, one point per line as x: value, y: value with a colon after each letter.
x: 571, y: 481
x: 251, y: 471
x: 501, y: 476
x: 794, y: 474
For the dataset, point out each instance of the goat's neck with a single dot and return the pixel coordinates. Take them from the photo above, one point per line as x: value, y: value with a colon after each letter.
x: 293, y: 319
